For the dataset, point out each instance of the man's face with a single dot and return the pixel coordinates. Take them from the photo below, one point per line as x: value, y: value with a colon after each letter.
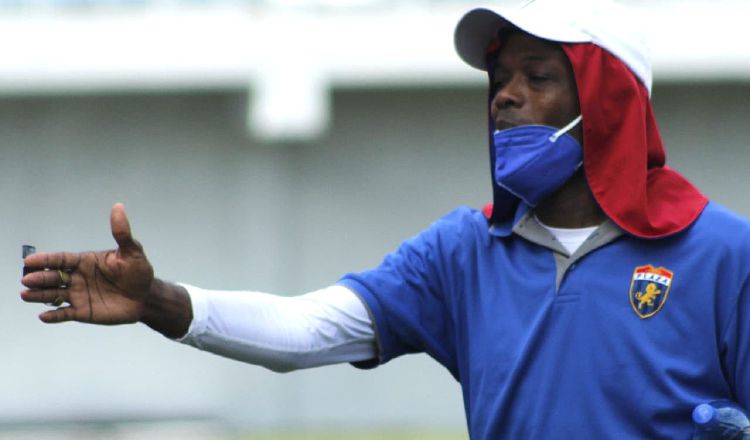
x: 533, y: 84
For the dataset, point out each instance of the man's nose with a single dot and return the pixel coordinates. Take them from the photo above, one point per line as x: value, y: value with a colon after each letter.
x: 509, y: 94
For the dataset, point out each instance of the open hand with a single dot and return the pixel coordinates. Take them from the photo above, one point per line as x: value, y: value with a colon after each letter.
x: 104, y: 287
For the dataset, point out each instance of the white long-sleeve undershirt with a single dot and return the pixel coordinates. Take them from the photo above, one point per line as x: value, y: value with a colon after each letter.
x: 324, y: 327
x: 280, y: 333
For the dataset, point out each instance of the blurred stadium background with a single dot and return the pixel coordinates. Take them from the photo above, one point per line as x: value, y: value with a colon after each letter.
x: 273, y: 145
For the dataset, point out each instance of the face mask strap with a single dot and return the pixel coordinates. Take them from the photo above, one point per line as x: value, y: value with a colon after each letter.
x: 565, y: 129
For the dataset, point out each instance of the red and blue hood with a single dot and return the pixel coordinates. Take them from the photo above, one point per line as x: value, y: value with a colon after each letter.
x: 624, y: 157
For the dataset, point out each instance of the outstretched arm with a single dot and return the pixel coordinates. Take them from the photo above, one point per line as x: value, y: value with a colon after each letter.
x: 109, y: 287
x: 118, y: 287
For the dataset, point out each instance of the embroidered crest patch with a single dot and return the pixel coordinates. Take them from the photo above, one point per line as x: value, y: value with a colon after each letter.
x: 649, y: 289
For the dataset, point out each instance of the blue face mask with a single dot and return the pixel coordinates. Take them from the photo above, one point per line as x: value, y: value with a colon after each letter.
x: 532, y: 161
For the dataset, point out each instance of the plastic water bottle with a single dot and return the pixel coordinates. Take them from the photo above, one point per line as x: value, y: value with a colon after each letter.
x: 720, y: 420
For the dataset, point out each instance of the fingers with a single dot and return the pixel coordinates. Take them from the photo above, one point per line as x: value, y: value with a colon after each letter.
x: 47, y: 278
x: 55, y: 296
x: 46, y: 296
x: 58, y: 260
x: 61, y: 314
x: 48, y: 287
x: 121, y: 232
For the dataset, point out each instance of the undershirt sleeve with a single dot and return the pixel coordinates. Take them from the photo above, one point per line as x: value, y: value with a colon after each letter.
x: 280, y: 333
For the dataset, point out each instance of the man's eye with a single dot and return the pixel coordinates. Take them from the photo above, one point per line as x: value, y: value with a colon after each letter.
x: 539, y: 78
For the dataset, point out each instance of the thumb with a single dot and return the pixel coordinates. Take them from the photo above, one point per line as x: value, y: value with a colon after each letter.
x: 120, y: 225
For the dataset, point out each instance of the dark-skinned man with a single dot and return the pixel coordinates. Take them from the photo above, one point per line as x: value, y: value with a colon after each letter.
x: 600, y: 296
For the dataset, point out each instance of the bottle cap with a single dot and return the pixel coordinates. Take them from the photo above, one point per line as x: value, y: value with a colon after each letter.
x: 704, y: 414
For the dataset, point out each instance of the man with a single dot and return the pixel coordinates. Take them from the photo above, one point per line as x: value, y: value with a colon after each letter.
x: 600, y: 296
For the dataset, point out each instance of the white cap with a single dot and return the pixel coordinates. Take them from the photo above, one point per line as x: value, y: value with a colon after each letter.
x: 601, y: 22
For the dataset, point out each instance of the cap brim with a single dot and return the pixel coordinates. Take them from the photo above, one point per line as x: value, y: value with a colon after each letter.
x: 479, y: 27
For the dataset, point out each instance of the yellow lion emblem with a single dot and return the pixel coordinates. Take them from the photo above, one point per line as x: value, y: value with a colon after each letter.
x: 647, y: 298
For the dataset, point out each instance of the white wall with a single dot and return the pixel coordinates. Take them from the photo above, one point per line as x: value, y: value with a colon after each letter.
x: 264, y: 46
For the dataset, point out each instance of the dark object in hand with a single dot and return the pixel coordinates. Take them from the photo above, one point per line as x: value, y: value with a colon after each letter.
x: 27, y: 250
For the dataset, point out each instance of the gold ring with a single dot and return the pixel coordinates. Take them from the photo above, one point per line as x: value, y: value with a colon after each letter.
x: 65, y: 278
x: 58, y: 301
